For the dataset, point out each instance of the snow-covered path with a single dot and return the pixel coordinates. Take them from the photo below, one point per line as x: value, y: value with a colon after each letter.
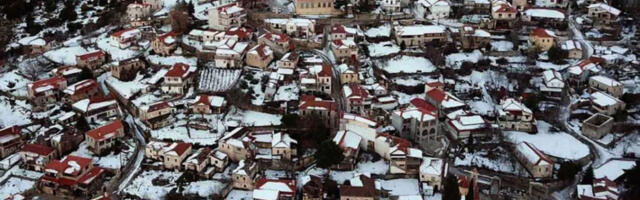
x: 139, y: 155
x: 578, y: 35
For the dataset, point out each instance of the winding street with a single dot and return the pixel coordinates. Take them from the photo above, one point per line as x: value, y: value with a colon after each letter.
x: 132, y: 168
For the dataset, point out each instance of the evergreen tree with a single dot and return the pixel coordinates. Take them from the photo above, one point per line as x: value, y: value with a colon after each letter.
x: 557, y: 54
x: 451, y: 190
x: 568, y: 171
x: 328, y: 154
x: 588, y: 176
x: 470, y: 194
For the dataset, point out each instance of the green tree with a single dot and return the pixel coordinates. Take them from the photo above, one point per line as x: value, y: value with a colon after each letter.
x: 338, y: 4
x: 451, y: 190
x: 328, y: 154
x: 621, y: 115
x: 557, y: 54
x: 568, y: 171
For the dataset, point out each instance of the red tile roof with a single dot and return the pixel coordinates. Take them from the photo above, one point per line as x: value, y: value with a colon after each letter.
x: 291, y: 184
x: 158, y: 106
x: 37, y: 149
x: 367, y: 189
x: 277, y: 37
x: 100, y: 133
x: 46, y: 82
x: 242, y: 32
x: 68, y: 162
x: 87, y: 178
x: 178, y: 70
x: 84, y: 86
x: 338, y: 42
x: 203, y: 99
x: 120, y: 32
x: 326, y: 70
x: 165, y: 36
x: 505, y: 8
x: 91, y: 55
x: 181, y: 148
x: 357, y: 91
x: 337, y: 28
x: 423, y: 105
x: 308, y: 101
x: 10, y: 131
x: 585, y: 62
x: 436, y: 94
x: 541, y: 155
x: 260, y: 50
x: 540, y: 32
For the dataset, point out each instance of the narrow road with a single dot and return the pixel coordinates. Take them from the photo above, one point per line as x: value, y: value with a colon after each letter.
x: 576, y: 34
x: 132, y: 169
x: 336, y: 87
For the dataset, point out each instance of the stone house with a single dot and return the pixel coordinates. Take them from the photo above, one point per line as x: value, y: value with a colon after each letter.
x: 432, y: 171
x: 289, y: 61
x: 157, y: 115
x: 573, y: 48
x: 198, y: 161
x: 553, y: 84
x: 84, y: 89
x: 178, y: 79
x: 418, y: 35
x: 472, y: 38
x: 542, y: 39
x: 606, y: 104
x: 226, y: 16
x: 343, y: 49
x: 206, y: 104
x: 537, y: 163
x: 294, y: 27
x: 245, y: 175
x: 36, y: 156
x: 71, y: 176
x: 515, y: 116
x: 596, y: 126
x: 279, y: 43
x: 358, y: 100
x: 603, y: 13
x: 47, y: 91
x: 326, y: 109
x: 125, y: 38
x: 10, y: 140
x: 165, y: 43
x: 91, y: 60
x: 606, y: 84
x: 315, y: 7
x: 103, y: 138
x: 171, y: 154
x: 127, y: 70
x: 236, y: 146
x: 219, y: 160
x: 259, y: 56
x: 418, y: 122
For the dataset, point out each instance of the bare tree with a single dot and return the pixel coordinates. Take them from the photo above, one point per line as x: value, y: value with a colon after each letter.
x: 179, y: 19
x: 31, y: 71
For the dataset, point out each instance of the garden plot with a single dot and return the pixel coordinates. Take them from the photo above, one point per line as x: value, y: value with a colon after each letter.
x: 218, y: 80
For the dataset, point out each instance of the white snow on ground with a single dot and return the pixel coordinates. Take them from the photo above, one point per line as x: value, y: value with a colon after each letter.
x: 383, y: 49
x: 288, y: 92
x: 110, y: 161
x: 628, y: 144
x: 549, y: 142
x: 12, y: 77
x: 116, y: 53
x: 178, y: 132
x: 501, y: 45
x: 380, y: 31
x: 204, y: 188
x: 402, y: 186
x: 18, y: 114
x: 127, y: 89
x: 66, y: 55
x: 143, y: 187
x: 368, y: 167
x: 171, y: 60
x: 455, y: 60
x: 500, y: 162
x: 482, y: 107
x: 15, y: 186
x: 218, y: 80
x: 239, y: 195
x: 255, y: 118
x: 548, y: 65
x: 406, y: 64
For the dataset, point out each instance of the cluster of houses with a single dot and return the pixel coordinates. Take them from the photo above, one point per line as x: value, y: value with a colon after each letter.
x: 336, y: 84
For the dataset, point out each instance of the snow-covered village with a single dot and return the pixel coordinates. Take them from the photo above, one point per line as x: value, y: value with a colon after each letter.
x: 320, y: 99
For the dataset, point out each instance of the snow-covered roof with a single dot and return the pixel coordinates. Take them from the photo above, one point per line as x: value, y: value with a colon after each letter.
x: 467, y: 123
x: 347, y: 139
x: 415, y: 30
x: 513, y: 105
x: 295, y: 21
x: 552, y: 79
x: 606, y: 8
x: 432, y: 166
x: 570, y: 45
x: 544, y: 13
x: 613, y: 168
x: 603, y: 99
x: 532, y: 154
x: 606, y: 81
